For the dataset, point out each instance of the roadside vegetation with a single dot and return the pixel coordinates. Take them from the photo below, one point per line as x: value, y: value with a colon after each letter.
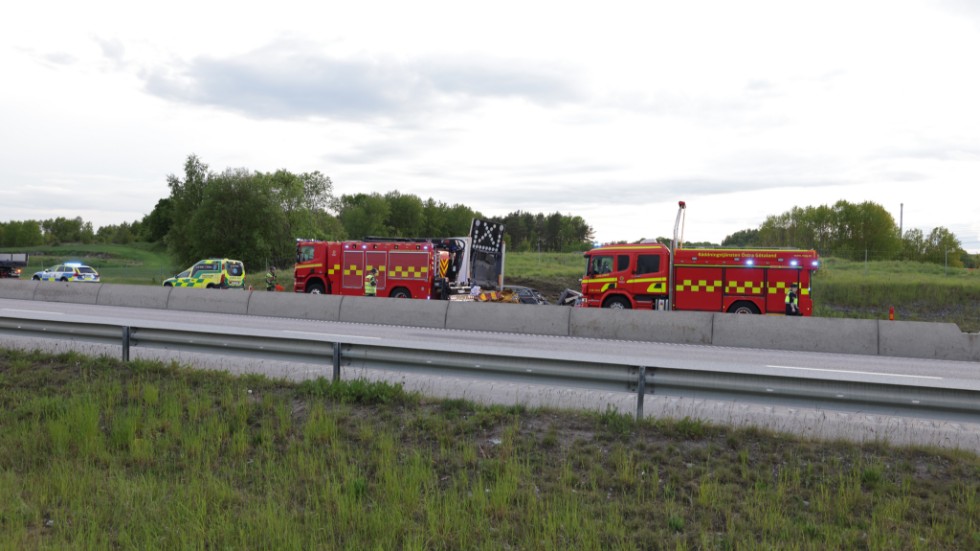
x: 98, y: 454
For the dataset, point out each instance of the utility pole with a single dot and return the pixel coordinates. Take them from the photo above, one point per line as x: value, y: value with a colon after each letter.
x: 901, y: 215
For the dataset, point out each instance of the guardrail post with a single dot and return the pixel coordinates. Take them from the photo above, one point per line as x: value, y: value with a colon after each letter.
x: 125, y: 344
x: 641, y: 392
x: 336, y: 362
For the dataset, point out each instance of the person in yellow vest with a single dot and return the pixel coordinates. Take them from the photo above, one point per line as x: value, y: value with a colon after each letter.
x: 270, y: 279
x: 793, y: 301
x: 371, y: 283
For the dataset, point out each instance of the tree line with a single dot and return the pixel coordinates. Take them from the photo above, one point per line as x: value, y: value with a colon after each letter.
x: 864, y: 231
x: 256, y: 217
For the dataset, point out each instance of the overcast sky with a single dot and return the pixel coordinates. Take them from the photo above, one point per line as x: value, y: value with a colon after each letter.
x: 611, y: 111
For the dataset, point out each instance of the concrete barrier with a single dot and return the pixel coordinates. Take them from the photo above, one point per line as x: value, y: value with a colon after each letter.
x: 75, y: 293
x: 656, y: 326
x: 134, y: 296
x: 18, y: 289
x: 845, y: 336
x: 218, y: 301
x: 294, y: 305
x: 393, y: 311
x: 918, y: 339
x: 509, y: 318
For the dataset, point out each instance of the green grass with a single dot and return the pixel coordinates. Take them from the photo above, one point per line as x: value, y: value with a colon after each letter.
x: 98, y: 454
x: 917, y: 292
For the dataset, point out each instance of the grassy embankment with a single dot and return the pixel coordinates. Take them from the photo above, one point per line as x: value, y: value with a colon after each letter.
x: 96, y: 454
x: 918, y: 291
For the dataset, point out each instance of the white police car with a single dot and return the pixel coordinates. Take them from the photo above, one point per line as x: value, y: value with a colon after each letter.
x: 69, y: 271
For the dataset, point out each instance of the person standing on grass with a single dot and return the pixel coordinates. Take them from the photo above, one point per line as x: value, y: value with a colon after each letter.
x: 793, y: 301
x: 371, y: 283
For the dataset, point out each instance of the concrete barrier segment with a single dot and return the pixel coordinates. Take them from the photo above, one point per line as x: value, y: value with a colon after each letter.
x: 295, y: 305
x: 649, y: 326
x: 394, y: 311
x: 807, y: 334
x: 134, y: 296
x: 18, y: 289
x: 73, y: 292
x: 927, y: 340
x: 509, y: 318
x: 218, y: 301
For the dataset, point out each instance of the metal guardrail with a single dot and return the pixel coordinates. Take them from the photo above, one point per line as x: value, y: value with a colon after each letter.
x: 799, y: 391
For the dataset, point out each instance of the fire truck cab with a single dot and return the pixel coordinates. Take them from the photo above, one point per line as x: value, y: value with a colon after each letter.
x: 744, y: 281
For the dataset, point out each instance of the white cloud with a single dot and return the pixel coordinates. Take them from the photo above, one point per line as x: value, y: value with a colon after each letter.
x: 613, y: 112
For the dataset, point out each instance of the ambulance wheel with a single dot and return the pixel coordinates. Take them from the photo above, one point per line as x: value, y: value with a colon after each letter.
x: 743, y: 307
x: 168, y: 284
x: 616, y: 303
x: 315, y: 288
x: 400, y: 293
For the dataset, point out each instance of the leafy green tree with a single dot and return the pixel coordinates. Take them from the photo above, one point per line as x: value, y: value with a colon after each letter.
x: 67, y: 230
x: 239, y: 217
x: 742, y: 238
x: 942, y: 247
x: 846, y: 229
x: 364, y: 215
x: 406, y: 215
x: 120, y: 234
x: 186, y: 196
x: 914, y: 245
x: 155, y: 226
x: 24, y: 233
x: 458, y: 220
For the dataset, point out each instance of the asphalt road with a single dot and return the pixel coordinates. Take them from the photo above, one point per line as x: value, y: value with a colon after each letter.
x: 823, y: 422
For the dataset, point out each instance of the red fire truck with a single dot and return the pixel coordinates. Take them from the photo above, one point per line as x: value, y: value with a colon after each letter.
x: 743, y: 281
x: 426, y: 268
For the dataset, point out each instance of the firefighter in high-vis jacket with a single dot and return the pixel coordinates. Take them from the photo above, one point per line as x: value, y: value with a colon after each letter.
x: 793, y: 301
x: 371, y: 283
x: 270, y: 279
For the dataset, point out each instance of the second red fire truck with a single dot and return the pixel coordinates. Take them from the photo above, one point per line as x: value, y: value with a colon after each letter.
x: 743, y: 281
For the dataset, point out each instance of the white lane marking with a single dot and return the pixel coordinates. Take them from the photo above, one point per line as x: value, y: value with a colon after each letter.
x: 330, y: 335
x: 32, y: 311
x: 855, y: 372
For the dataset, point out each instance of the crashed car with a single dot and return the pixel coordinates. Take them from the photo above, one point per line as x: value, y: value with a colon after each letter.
x: 515, y: 294
x: 526, y: 295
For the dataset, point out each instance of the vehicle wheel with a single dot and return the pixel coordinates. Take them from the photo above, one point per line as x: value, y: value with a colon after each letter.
x: 315, y: 288
x: 36, y: 278
x: 743, y: 307
x: 400, y: 293
x: 617, y: 303
x: 168, y: 284
x: 64, y: 279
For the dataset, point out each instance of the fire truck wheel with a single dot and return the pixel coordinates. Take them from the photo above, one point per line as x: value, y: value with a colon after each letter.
x: 315, y: 288
x: 616, y: 303
x: 743, y: 307
x: 400, y: 293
